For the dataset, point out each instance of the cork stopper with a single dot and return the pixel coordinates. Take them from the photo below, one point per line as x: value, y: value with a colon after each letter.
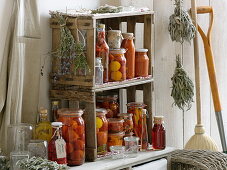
x: 43, y: 114
x: 102, y: 26
x: 55, y: 102
x: 158, y: 119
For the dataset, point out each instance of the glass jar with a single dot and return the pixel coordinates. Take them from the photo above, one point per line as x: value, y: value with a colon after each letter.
x: 136, y: 109
x: 158, y: 133
x: 117, y: 66
x: 114, y: 38
x: 110, y: 103
x: 38, y: 148
x: 115, y: 139
x: 128, y: 122
x: 55, y: 110
x: 141, y: 63
x: 102, y: 51
x: 102, y: 131
x: 98, y: 71
x: 57, y: 145
x: 115, y: 125
x: 128, y: 44
x: 73, y: 131
x: 131, y: 146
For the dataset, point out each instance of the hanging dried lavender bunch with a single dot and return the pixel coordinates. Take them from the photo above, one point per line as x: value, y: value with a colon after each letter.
x: 181, y: 27
x: 182, y: 87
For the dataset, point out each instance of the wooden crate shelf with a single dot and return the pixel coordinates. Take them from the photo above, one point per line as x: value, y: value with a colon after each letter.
x: 83, y: 89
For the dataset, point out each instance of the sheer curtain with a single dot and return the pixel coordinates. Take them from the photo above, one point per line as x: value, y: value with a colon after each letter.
x: 19, y: 67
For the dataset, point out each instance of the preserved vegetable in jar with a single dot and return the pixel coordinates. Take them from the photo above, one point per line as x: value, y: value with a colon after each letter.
x: 73, y: 131
x: 128, y: 122
x: 128, y: 44
x: 114, y: 38
x: 102, y: 131
x: 57, y: 145
x: 115, y: 139
x: 141, y: 63
x: 115, y: 125
x: 102, y: 51
x: 117, y: 66
x: 158, y: 133
x: 144, y: 135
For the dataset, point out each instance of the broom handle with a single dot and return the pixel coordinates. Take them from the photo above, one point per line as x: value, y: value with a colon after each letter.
x: 196, y: 63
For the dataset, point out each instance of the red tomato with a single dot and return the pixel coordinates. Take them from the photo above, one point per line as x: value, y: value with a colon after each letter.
x: 69, y: 147
x: 102, y: 138
x: 109, y: 114
x: 79, y: 145
x: 80, y: 130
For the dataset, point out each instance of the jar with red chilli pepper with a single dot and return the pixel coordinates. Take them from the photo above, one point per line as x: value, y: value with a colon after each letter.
x: 115, y: 125
x: 57, y: 145
x: 115, y: 139
x: 117, y: 65
x: 101, y: 130
x: 73, y: 132
x: 128, y: 122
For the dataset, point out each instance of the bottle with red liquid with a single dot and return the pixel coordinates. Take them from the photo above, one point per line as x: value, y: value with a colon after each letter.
x: 57, y: 145
x: 144, y: 134
x: 158, y: 133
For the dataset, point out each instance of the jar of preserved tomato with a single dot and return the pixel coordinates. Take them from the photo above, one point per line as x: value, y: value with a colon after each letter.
x: 117, y: 65
x: 128, y: 44
x: 73, y: 131
x: 110, y: 103
x: 115, y: 125
x: 101, y: 130
x: 136, y: 109
x: 128, y: 122
x: 158, y: 133
x: 115, y: 139
x: 141, y: 63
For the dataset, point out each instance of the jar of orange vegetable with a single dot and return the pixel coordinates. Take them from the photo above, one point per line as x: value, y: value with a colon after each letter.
x: 101, y: 130
x: 115, y: 125
x: 128, y: 122
x: 141, y: 63
x: 128, y: 44
x: 115, y: 139
x: 73, y: 132
x: 117, y: 65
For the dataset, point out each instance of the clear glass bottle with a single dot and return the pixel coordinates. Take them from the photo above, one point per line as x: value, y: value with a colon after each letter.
x: 98, y: 71
x: 57, y: 145
x: 38, y: 148
x: 54, y: 110
x: 102, y: 51
x: 158, y: 133
x: 43, y: 130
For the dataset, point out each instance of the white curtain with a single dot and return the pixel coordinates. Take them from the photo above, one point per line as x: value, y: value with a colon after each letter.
x: 19, y: 68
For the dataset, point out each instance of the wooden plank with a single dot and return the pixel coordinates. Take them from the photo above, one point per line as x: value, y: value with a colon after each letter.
x: 114, y: 23
x: 56, y: 62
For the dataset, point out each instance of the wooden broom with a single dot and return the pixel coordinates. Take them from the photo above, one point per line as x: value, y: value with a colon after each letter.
x: 200, y: 140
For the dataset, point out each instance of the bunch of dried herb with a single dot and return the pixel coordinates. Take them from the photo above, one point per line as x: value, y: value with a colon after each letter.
x: 4, y: 163
x: 182, y: 87
x: 181, y: 27
x: 36, y: 163
x: 107, y: 9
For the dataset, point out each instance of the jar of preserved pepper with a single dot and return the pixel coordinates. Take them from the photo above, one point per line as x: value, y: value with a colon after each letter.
x: 136, y: 109
x: 73, y: 131
x: 110, y: 103
x: 158, y: 133
x: 115, y: 139
x: 101, y: 130
x: 117, y: 65
x: 128, y: 122
x: 141, y: 63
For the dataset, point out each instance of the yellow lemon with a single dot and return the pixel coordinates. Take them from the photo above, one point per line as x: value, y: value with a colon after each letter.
x: 115, y: 66
x: 99, y: 123
x: 116, y: 75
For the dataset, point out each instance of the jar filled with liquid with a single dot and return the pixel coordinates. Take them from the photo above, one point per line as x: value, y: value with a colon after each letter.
x: 158, y: 133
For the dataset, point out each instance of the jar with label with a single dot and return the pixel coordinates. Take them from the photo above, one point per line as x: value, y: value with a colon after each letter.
x: 57, y: 145
x: 55, y: 110
x: 102, y: 51
x: 43, y: 130
x: 128, y: 122
x: 102, y: 131
x: 114, y: 38
x: 129, y: 46
x: 115, y: 139
x: 141, y: 63
x: 73, y: 131
x: 117, y: 66
x: 136, y: 109
x: 158, y: 133
x: 110, y: 103
x: 98, y: 71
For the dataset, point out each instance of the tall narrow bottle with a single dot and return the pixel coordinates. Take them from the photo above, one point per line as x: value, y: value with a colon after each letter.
x: 43, y: 130
x: 102, y: 50
x: 144, y: 134
x: 55, y: 110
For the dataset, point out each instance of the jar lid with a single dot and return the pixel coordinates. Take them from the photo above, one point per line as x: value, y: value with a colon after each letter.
x: 158, y: 119
x: 43, y: 111
x: 117, y: 51
x: 125, y: 115
x: 115, y: 120
x: 127, y: 35
x: 70, y: 112
x: 101, y: 26
x: 117, y: 134
x: 131, y: 139
x: 101, y: 111
x: 141, y: 50
x: 136, y: 104
x: 57, y: 124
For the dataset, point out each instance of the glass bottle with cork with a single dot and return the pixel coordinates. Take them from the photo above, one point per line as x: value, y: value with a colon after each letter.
x: 43, y: 130
x: 55, y: 107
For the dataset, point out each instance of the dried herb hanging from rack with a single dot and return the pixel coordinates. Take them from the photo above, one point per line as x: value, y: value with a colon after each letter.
x: 183, y: 87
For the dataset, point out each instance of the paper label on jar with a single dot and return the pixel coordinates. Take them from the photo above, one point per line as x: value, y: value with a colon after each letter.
x: 60, y: 148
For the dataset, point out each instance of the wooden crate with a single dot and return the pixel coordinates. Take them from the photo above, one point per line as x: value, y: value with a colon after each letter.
x: 83, y: 89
